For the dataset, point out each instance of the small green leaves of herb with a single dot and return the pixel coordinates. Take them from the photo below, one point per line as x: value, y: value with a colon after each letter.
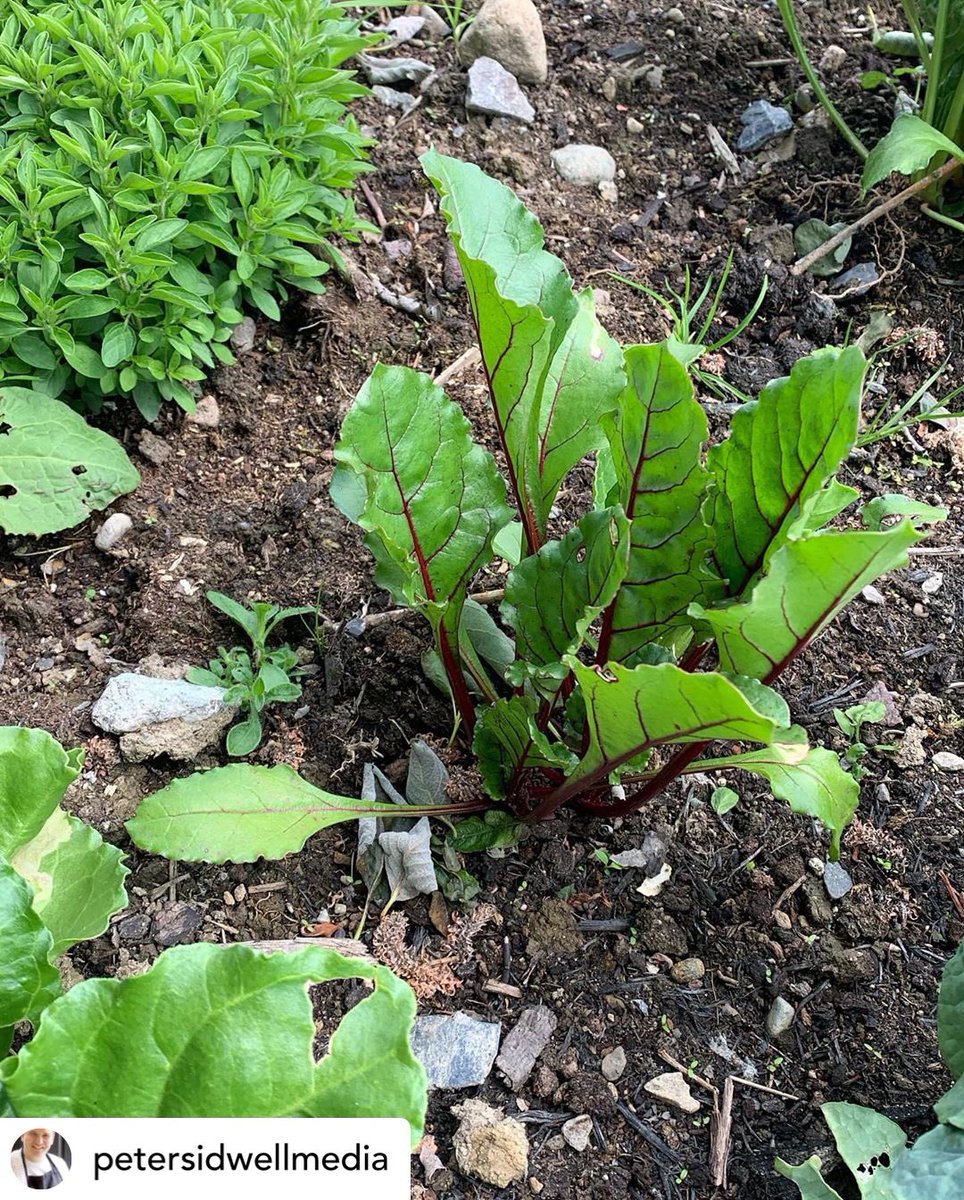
x: 909, y: 147
x: 495, y: 829
x: 55, y: 470
x: 106, y: 1052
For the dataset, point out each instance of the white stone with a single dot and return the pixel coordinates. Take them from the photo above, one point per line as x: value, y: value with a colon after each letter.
x: 578, y: 1131
x: 495, y: 92
x: 614, y: 1064
x: 948, y: 762
x: 780, y: 1017
x: 207, y: 415
x: 585, y: 165
x: 673, y: 1088
x: 117, y: 526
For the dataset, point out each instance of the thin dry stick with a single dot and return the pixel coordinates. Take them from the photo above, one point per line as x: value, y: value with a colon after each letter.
x: 687, y: 1072
x: 396, y: 614
x: 372, y: 202
x: 875, y: 214
x: 721, y: 1128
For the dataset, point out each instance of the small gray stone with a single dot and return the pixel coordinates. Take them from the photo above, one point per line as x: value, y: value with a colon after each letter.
x: 176, y: 924
x: 585, y: 165
x: 947, y: 761
x: 654, y: 78
x: 403, y: 29
x: 688, y: 970
x: 674, y: 16
x: 117, y: 526
x: 524, y: 1043
x: 780, y: 1017
x: 394, y: 99
x: 134, y: 929
x: 836, y: 880
x: 243, y: 335
x: 456, y: 1050
x: 873, y: 595
x: 859, y: 279
x: 763, y: 123
x: 494, y: 92
x: 510, y: 31
x: 154, y: 448
x: 132, y: 701
x: 207, y: 415
x: 613, y: 1064
x: 388, y: 71
x: 833, y: 58
x: 578, y: 1131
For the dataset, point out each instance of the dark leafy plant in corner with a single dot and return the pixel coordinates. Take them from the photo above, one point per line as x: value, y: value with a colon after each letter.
x: 161, y: 164
x: 687, y: 557
x: 98, y: 1050
x: 874, y: 1149
x: 256, y: 678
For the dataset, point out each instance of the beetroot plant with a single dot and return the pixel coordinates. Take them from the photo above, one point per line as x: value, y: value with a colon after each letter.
x: 690, y: 557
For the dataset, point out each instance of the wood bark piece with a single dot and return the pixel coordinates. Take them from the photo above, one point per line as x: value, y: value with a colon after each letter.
x: 524, y: 1043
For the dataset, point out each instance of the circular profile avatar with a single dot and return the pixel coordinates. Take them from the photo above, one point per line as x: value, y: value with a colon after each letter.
x: 40, y: 1159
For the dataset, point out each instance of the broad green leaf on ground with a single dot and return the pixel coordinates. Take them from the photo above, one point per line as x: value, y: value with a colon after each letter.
x: 908, y: 148
x: 507, y: 742
x: 630, y: 711
x: 655, y: 443
x: 950, y: 1014
x: 239, y: 813
x: 77, y: 879
x: 808, y: 1179
x: 550, y: 367
x: 234, y: 1039
x: 808, y: 581
x: 782, y: 449
x: 484, y: 649
x: 933, y: 1168
x: 431, y: 500
x: 812, y: 782
x: 35, y: 771
x: 28, y: 983
x: 553, y: 596
x: 55, y: 469
x: 865, y: 1137
x: 950, y: 1107
x: 813, y: 233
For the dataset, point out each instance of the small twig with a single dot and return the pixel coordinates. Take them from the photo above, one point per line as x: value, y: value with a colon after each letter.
x: 952, y: 891
x: 772, y: 62
x: 787, y: 893
x: 687, y: 1073
x: 464, y: 361
x: 396, y: 614
x: 278, y: 886
x: 159, y: 891
x: 347, y: 946
x: 875, y: 213
x: 372, y: 202
x: 762, y: 1087
x: 721, y: 1127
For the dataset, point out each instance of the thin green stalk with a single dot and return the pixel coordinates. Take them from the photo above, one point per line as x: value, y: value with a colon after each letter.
x: 910, y: 12
x: 936, y: 64
x: 800, y: 50
x: 954, y: 125
x: 942, y: 217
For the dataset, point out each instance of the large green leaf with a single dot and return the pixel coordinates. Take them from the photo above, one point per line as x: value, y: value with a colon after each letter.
x: 221, y: 1031
x: 28, y: 983
x: 656, y: 440
x: 409, y: 474
x: 55, y: 469
x: 77, y: 879
x: 950, y: 1107
x: 551, y: 369
x: 811, y: 780
x: 552, y: 597
x: 867, y: 1142
x: 909, y: 147
x: 781, y: 451
x: 35, y: 771
x: 950, y: 1014
x: 808, y: 1179
x: 631, y: 711
x: 933, y: 1168
x: 807, y: 583
x: 507, y: 741
x: 239, y: 813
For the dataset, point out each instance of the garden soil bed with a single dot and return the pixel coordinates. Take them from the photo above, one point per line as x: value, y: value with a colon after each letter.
x: 244, y: 508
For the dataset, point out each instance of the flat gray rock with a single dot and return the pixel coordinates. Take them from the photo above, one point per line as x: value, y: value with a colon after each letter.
x: 524, y: 1043
x: 763, y: 123
x: 456, y: 1050
x: 780, y: 1017
x: 585, y: 165
x: 243, y: 335
x: 131, y: 701
x: 859, y: 279
x: 403, y: 29
x: 836, y: 880
x: 392, y: 98
x: 386, y: 72
x: 494, y: 92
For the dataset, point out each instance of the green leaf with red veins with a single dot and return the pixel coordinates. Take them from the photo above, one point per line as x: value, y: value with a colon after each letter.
x: 551, y: 369
x: 656, y: 440
x: 782, y: 450
x: 806, y: 585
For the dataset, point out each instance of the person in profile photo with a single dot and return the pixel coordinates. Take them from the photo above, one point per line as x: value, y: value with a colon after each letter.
x: 34, y: 1161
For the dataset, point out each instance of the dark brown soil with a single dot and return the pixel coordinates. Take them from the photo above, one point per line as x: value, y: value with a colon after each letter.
x: 245, y: 509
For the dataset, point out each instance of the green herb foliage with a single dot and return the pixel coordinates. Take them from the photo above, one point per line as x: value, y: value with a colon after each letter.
x: 687, y: 552
x: 874, y: 1148
x: 238, y: 1032
x: 256, y: 679
x: 160, y: 165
